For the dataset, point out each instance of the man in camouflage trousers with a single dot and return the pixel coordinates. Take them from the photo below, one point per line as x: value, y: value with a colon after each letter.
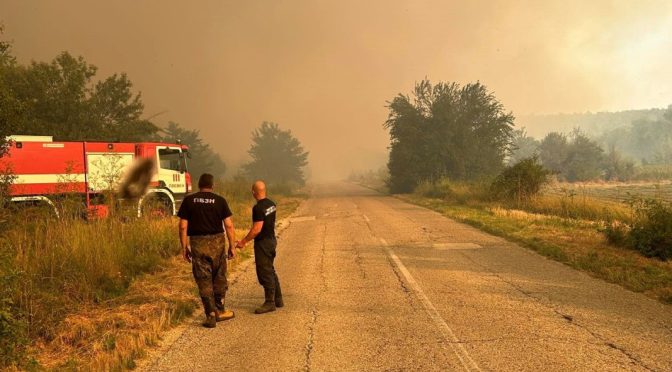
x: 203, y: 218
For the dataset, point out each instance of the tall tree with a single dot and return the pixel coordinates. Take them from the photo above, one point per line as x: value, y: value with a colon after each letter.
x: 585, y: 159
x: 616, y: 168
x: 202, y: 158
x: 60, y: 99
x: 553, y: 151
x: 10, y: 107
x: 446, y: 130
x: 522, y: 146
x: 576, y: 159
x: 117, y: 111
x: 277, y: 156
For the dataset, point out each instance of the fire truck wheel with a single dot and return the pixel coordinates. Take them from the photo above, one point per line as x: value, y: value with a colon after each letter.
x: 156, y: 206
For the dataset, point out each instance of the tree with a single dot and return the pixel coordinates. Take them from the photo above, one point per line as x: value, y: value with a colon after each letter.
x: 446, y: 131
x: 522, y: 146
x: 117, y: 112
x: 10, y: 107
x: 553, y: 151
x: 648, y: 138
x: 577, y: 159
x: 585, y: 159
x: 202, y: 158
x: 277, y: 156
x: 616, y: 168
x: 60, y: 100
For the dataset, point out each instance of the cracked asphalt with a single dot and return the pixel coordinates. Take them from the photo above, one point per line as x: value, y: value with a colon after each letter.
x: 373, y: 283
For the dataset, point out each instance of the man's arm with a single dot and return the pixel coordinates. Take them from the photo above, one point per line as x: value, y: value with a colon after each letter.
x: 231, y: 235
x: 254, y: 231
x: 184, y: 239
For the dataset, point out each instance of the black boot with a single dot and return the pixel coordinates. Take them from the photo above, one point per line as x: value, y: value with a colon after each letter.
x: 278, y: 294
x: 210, y: 312
x: 269, y: 303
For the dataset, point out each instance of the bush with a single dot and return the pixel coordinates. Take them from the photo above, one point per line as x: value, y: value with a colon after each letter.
x: 617, y: 233
x: 457, y: 192
x: 12, y: 325
x: 440, y: 189
x: 521, y: 181
x: 651, y: 232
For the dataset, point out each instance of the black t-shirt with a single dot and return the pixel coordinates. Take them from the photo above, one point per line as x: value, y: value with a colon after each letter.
x: 205, y: 212
x: 264, y: 210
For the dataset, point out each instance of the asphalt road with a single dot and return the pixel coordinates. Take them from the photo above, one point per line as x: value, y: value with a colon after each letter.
x: 373, y: 283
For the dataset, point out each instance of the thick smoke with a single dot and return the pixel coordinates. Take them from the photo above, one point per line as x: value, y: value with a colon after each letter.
x: 325, y: 69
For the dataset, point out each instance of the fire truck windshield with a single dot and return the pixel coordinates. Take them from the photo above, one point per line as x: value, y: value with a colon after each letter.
x: 172, y: 159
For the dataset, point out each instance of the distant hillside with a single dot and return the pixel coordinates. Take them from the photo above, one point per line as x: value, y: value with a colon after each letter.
x: 593, y: 124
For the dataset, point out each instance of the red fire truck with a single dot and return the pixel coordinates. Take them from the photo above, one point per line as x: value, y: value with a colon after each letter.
x: 45, y: 170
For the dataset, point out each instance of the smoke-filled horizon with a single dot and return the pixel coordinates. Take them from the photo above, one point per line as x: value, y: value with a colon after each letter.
x: 326, y: 69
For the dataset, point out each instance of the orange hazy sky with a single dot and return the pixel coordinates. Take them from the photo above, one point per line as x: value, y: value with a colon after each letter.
x: 325, y: 69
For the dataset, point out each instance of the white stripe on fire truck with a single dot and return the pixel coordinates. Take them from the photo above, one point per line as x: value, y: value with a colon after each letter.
x: 49, y: 178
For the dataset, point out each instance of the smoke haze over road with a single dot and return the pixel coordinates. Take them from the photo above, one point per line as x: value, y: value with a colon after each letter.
x: 325, y: 69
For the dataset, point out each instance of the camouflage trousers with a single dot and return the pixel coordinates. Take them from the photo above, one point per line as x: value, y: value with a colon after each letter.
x: 208, y: 261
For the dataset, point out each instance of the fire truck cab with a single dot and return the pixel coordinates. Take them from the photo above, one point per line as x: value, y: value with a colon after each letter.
x: 45, y: 171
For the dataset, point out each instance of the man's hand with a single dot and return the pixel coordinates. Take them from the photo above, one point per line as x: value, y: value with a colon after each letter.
x: 240, y: 244
x: 186, y: 253
x: 232, y: 253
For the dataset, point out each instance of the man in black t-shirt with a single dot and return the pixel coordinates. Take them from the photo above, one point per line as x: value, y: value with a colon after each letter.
x: 263, y: 233
x: 203, y: 218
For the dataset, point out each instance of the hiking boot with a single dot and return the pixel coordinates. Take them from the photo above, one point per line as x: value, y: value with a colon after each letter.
x: 210, y: 312
x: 269, y: 303
x: 210, y: 321
x: 266, y: 307
x: 278, y: 294
x: 225, y: 315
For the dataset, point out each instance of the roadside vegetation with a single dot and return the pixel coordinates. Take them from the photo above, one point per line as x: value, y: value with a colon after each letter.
x: 78, y: 294
x: 453, y: 149
x: 585, y: 232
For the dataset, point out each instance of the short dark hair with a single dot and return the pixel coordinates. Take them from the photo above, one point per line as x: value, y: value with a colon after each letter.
x: 206, y: 181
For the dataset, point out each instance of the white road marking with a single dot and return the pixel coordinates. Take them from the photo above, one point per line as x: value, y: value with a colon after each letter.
x: 302, y: 218
x: 447, y: 333
x: 366, y: 218
x: 456, y: 246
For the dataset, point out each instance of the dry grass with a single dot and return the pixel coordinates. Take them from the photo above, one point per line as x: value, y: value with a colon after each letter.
x: 614, y: 191
x: 114, y: 334
x: 111, y: 335
x: 92, y: 295
x: 578, y: 207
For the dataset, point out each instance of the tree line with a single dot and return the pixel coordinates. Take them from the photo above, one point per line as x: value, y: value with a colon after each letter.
x: 64, y: 98
x: 463, y: 133
x: 614, y: 153
x: 579, y: 157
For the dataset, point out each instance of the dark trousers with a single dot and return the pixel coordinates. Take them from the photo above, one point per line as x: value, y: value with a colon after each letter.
x: 264, y: 255
x: 208, y: 261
